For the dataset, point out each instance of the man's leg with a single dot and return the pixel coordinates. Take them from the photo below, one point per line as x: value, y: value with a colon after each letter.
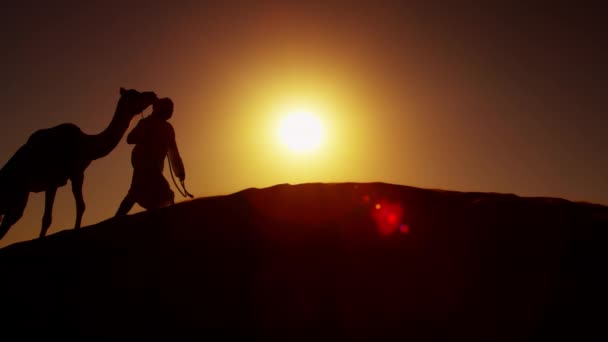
x: 125, y: 206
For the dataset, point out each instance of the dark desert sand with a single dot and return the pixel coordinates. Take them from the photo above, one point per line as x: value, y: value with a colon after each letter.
x: 317, y: 261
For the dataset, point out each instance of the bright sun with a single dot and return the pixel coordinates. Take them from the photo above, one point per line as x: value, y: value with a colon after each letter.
x: 301, y: 131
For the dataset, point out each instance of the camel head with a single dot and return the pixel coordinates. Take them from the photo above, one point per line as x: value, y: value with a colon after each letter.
x: 133, y: 102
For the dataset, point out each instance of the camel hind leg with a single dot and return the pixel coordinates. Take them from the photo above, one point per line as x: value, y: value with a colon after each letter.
x: 77, y: 192
x: 47, y: 218
x: 13, y: 212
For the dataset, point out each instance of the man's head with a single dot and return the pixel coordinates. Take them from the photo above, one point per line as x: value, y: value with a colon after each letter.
x: 163, y: 108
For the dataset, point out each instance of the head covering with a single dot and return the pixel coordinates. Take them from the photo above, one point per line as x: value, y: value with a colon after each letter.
x: 163, y: 108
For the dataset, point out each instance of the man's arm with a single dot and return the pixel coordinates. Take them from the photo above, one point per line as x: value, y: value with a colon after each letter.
x: 174, y: 157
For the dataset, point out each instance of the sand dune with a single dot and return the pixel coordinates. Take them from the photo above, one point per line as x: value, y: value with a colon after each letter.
x: 329, y: 261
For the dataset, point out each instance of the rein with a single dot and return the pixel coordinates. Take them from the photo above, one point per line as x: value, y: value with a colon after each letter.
x: 185, y: 193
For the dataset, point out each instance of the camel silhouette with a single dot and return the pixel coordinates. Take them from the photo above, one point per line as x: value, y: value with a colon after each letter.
x: 52, y: 156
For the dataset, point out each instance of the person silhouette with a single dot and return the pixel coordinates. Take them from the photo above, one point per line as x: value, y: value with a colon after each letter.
x: 154, y: 139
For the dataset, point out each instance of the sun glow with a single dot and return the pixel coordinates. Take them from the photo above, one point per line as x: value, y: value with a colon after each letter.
x: 301, y: 131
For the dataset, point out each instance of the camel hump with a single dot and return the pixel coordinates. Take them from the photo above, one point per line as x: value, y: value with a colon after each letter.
x: 58, y: 134
x: 53, y: 144
x: 51, y: 150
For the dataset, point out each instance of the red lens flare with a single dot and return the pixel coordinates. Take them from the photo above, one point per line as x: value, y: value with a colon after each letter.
x: 388, y: 217
x: 391, y: 218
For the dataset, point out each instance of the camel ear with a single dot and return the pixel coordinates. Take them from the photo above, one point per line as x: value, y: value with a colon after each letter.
x: 122, y: 91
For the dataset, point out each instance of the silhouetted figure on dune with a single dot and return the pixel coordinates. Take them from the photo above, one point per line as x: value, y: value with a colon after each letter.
x: 52, y: 156
x: 154, y: 139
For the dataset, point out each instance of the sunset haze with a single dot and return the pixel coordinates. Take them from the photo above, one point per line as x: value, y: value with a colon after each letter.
x: 491, y: 98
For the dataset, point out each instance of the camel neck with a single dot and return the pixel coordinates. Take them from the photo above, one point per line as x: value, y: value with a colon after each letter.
x: 103, y: 143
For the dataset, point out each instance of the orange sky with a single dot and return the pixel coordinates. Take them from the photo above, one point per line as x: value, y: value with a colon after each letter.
x: 478, y: 98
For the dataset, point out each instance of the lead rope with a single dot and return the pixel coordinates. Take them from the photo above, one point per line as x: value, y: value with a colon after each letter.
x: 185, y: 193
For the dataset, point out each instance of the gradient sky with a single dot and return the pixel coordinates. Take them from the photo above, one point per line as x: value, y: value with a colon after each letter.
x: 496, y: 98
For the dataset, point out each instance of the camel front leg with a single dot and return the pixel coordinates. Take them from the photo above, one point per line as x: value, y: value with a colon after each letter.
x: 47, y: 218
x: 13, y: 212
x: 77, y: 191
